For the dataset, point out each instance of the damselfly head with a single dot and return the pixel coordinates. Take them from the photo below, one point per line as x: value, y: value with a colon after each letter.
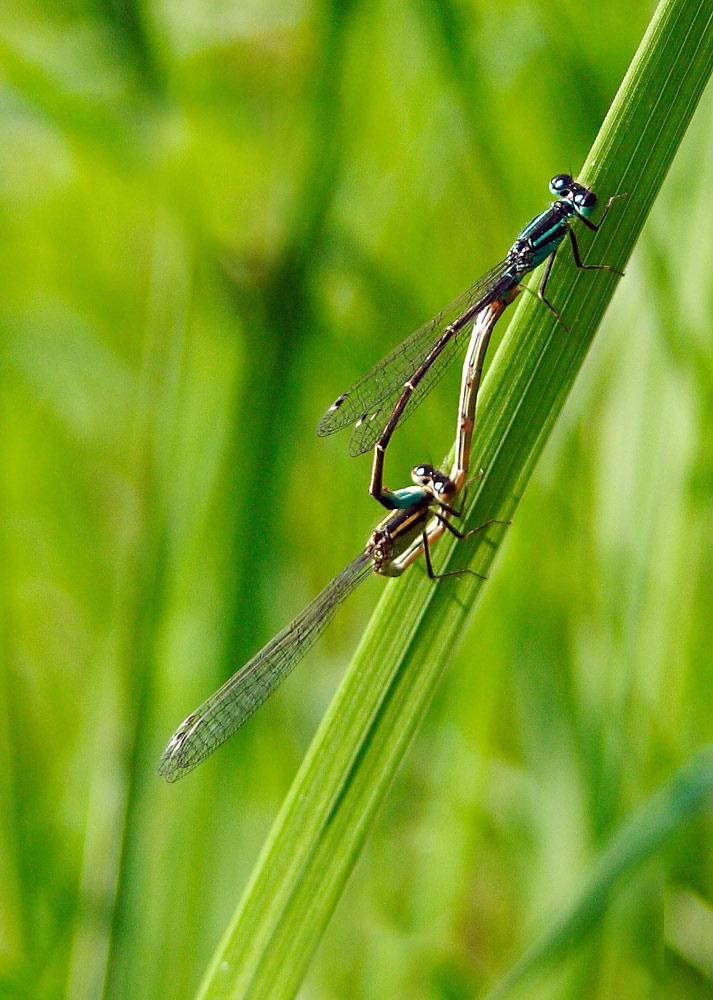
x: 435, y: 482
x: 567, y: 189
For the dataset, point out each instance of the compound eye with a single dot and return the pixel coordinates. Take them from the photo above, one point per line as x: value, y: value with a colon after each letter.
x: 560, y: 183
x: 419, y: 470
x: 585, y: 200
x: 444, y: 486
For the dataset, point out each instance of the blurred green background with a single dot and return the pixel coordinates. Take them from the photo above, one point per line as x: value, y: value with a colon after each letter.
x: 215, y: 217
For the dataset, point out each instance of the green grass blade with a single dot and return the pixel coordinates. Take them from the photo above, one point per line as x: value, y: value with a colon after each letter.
x: 322, y: 826
x: 688, y: 792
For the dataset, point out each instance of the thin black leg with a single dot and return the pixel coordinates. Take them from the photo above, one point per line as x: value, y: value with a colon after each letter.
x: 485, y: 524
x: 589, y: 267
x: 543, y: 286
x: 450, y: 572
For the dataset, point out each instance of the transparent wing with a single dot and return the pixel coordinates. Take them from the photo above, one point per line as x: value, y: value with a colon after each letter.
x: 369, y: 425
x: 385, y: 380
x: 230, y: 706
x: 372, y: 426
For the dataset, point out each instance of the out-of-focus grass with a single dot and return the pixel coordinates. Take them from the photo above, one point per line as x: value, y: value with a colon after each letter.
x: 213, y: 221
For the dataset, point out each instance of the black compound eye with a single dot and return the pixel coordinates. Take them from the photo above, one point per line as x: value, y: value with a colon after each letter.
x: 560, y: 183
x: 585, y: 199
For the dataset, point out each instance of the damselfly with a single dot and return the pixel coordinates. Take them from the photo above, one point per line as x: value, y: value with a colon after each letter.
x: 399, y: 382
x: 419, y: 514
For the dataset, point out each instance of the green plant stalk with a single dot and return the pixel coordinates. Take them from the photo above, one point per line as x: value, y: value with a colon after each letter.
x: 354, y: 756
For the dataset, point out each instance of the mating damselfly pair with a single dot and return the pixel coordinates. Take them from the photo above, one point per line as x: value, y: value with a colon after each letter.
x: 419, y: 514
